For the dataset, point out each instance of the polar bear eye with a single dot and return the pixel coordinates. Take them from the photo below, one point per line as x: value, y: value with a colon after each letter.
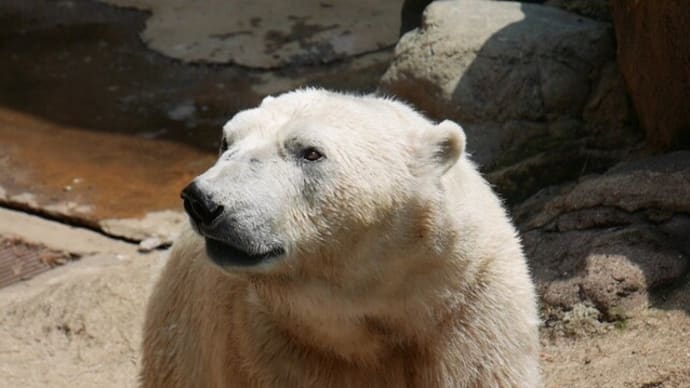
x: 311, y: 154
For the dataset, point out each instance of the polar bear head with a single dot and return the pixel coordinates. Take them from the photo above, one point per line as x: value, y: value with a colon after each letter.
x: 312, y: 180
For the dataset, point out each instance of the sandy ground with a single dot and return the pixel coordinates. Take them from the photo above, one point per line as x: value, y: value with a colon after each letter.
x: 80, y: 325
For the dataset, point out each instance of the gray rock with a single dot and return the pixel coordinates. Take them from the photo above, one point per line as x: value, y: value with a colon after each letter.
x: 658, y: 183
x: 267, y: 34
x: 614, y: 269
x: 595, y: 9
x: 150, y: 244
x: 611, y: 241
x: 527, y: 82
x: 161, y: 227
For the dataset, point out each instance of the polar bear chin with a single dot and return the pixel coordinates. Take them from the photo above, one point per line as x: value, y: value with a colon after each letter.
x: 226, y: 255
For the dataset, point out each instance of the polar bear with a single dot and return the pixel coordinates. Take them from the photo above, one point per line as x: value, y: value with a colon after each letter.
x: 342, y: 241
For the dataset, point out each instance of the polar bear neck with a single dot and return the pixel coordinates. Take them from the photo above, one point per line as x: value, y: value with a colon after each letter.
x: 359, y: 328
x: 335, y: 332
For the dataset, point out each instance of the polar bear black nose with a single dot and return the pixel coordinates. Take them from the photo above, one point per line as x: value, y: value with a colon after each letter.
x: 199, y: 205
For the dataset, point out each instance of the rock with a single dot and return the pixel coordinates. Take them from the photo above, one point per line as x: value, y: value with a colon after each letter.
x: 161, y: 227
x: 150, y: 244
x: 267, y: 34
x: 608, y: 107
x: 582, y: 320
x: 530, y: 84
x: 56, y: 328
x: 654, y: 57
x: 411, y: 14
x: 595, y: 9
x: 611, y: 241
x: 613, y: 269
x: 654, y: 183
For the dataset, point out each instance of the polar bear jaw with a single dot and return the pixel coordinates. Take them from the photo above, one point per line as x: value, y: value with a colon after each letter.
x: 226, y: 255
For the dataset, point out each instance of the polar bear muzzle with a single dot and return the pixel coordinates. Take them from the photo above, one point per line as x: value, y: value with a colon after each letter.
x: 226, y: 250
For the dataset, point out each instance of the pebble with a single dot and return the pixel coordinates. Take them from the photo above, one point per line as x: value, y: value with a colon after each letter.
x: 149, y: 244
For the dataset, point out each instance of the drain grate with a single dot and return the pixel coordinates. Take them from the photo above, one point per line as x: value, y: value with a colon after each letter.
x: 21, y: 260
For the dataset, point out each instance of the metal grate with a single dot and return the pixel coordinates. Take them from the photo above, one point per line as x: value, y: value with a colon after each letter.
x: 20, y: 260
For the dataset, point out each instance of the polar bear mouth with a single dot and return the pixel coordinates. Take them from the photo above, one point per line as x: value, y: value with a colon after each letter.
x: 225, y: 254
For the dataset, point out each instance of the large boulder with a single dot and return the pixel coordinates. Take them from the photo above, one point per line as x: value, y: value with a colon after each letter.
x: 267, y: 34
x: 595, y: 9
x: 611, y: 241
x: 411, y: 14
x: 536, y: 88
x: 654, y: 56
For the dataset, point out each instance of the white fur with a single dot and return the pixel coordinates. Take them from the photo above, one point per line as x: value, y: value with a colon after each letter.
x: 401, y: 266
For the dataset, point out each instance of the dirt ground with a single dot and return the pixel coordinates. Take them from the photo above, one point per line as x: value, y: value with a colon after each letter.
x: 80, y: 325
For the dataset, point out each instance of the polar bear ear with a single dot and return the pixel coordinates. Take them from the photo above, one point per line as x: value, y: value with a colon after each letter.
x: 438, y: 148
x: 266, y: 99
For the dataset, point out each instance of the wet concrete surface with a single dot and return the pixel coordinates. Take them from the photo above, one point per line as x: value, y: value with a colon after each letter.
x: 267, y: 33
x: 81, y: 63
x: 91, y: 176
x: 95, y: 126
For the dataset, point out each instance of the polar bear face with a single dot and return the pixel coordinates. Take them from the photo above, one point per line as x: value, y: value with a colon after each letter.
x: 313, y: 176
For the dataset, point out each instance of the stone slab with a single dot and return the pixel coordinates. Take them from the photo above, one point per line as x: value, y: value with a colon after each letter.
x: 266, y: 33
